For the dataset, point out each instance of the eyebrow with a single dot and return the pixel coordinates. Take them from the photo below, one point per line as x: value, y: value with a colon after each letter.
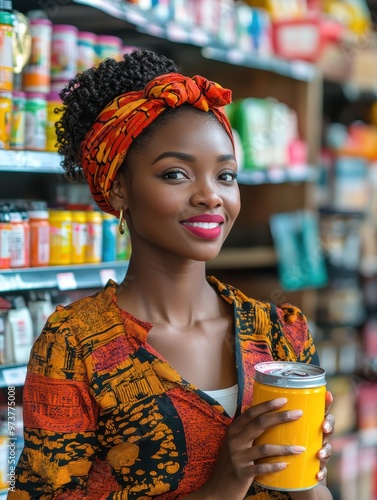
x: 190, y: 158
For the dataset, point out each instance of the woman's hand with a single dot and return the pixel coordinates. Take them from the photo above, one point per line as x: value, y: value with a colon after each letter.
x: 320, y: 492
x: 328, y: 425
x: 236, y: 466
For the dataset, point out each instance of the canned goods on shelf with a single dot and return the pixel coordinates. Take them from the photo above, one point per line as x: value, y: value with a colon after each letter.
x: 108, y: 46
x: 35, y: 121
x: 5, y: 235
x: 93, y: 252
x: 123, y: 242
x: 36, y: 74
x: 53, y: 103
x: 60, y: 237
x: 5, y: 119
x: 6, y: 51
x: 109, y: 237
x: 18, y: 121
x: 63, y: 52
x: 39, y: 238
x: 79, y: 236
x: 86, y: 50
x: 19, y: 238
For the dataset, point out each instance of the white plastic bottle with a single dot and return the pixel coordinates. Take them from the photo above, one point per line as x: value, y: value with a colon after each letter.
x: 18, y: 338
x: 40, y: 307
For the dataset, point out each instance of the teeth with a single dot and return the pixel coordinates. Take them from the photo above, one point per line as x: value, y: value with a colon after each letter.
x: 204, y: 225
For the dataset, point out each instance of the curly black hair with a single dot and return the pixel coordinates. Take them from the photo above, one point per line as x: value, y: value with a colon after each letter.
x: 89, y: 92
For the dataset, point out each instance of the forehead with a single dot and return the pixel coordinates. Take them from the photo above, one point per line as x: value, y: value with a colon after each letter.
x: 187, y: 128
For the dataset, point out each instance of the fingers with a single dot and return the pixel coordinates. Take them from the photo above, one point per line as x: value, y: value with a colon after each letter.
x: 328, y: 401
x: 260, y: 453
x: 321, y: 474
x: 267, y: 468
x: 325, y: 453
x: 264, y: 415
x: 270, y: 450
x: 328, y: 425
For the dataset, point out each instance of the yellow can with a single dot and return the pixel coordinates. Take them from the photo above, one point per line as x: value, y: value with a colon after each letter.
x: 5, y: 119
x: 79, y: 236
x: 60, y: 237
x: 305, y: 388
x: 93, y: 252
x: 54, y: 107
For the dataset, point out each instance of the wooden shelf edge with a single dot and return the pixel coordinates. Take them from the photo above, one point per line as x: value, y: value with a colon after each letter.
x: 244, y: 258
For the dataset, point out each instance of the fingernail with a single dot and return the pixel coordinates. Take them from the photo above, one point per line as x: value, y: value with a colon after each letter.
x: 298, y: 449
x: 322, y: 454
x: 283, y: 465
x: 280, y: 401
x: 327, y: 427
x: 295, y: 413
x: 320, y: 476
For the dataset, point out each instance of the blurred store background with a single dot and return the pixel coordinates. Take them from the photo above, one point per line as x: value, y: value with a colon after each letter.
x: 304, y: 81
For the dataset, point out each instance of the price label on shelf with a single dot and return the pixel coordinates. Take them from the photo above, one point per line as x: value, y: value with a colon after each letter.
x: 14, y: 376
x: 66, y: 281
x: 177, y: 33
x: 106, y: 275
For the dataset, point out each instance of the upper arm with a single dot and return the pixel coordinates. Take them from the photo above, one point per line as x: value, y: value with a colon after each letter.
x: 60, y: 418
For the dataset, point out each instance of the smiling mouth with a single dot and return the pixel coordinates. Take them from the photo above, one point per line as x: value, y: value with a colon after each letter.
x: 204, y: 225
x: 204, y: 230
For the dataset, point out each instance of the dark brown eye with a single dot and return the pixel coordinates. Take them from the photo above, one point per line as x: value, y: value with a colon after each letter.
x: 174, y: 175
x: 228, y: 176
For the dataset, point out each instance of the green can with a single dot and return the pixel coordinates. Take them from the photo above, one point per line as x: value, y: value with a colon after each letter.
x: 18, y: 121
x: 36, y: 118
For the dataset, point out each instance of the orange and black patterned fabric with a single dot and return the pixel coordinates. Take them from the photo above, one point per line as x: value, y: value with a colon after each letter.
x: 106, y: 417
x: 120, y: 122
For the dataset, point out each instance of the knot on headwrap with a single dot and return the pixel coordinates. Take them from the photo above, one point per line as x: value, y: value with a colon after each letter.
x: 122, y: 120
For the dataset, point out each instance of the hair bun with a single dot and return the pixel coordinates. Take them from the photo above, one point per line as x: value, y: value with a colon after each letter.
x: 89, y: 92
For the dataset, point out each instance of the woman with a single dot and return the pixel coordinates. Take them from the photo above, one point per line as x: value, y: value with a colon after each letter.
x: 119, y: 400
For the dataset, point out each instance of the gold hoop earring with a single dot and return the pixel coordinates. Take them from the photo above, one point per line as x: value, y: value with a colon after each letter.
x: 122, y: 222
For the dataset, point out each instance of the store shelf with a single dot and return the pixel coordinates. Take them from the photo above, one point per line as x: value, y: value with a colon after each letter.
x: 298, y: 70
x: 155, y: 22
x: 244, y: 258
x: 30, y: 161
x: 62, y: 277
x: 49, y: 163
x: 303, y: 173
x: 12, y: 375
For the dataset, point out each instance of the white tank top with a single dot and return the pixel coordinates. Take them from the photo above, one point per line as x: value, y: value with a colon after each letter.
x: 227, y: 398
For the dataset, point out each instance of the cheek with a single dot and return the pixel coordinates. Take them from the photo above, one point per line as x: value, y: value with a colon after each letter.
x: 234, y: 203
x: 153, y: 204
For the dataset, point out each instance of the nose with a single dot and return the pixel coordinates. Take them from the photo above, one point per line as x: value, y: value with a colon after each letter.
x: 206, y: 194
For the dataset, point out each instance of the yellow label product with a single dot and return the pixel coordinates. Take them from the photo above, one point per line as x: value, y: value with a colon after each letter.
x: 94, y: 237
x: 79, y: 236
x: 53, y: 103
x: 305, y: 388
x: 5, y: 119
x: 61, y: 237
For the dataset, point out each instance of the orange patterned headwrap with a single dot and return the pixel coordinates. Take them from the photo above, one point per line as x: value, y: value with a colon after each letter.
x: 120, y: 122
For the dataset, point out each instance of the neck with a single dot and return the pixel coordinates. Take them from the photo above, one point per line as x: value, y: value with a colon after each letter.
x: 173, y: 291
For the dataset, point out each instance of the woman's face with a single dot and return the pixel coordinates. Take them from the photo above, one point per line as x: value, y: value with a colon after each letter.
x: 181, y: 193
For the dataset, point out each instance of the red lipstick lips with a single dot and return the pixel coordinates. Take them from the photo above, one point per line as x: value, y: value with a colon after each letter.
x: 205, y: 226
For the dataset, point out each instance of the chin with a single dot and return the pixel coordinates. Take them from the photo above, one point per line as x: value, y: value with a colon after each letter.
x: 206, y: 256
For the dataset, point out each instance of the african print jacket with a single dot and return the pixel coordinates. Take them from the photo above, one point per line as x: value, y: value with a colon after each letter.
x: 106, y: 417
